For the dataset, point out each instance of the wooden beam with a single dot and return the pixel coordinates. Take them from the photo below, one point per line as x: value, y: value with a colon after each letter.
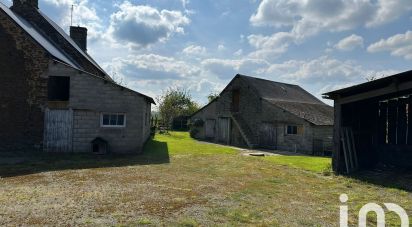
x: 393, y: 88
x: 336, y: 138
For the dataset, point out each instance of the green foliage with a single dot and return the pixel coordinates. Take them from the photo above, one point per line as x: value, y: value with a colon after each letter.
x: 175, y: 102
x: 212, y: 96
x: 193, y: 132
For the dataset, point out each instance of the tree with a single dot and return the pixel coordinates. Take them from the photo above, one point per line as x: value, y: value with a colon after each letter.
x: 212, y: 96
x: 175, y: 102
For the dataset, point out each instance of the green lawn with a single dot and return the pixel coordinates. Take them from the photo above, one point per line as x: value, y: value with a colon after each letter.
x: 178, y: 181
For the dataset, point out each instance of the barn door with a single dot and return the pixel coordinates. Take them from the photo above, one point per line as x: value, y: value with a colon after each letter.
x: 58, y: 130
x: 210, y: 128
x: 267, y: 135
x: 223, y: 130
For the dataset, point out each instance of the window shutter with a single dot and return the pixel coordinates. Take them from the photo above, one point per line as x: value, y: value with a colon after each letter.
x: 301, y: 130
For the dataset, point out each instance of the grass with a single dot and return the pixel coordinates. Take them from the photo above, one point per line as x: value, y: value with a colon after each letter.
x: 178, y: 181
x: 315, y: 164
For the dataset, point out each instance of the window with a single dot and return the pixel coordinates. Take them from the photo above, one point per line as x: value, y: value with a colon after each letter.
x: 113, y: 120
x: 294, y: 130
x: 58, y: 88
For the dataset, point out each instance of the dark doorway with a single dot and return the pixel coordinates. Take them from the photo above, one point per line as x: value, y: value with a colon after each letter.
x: 235, y: 100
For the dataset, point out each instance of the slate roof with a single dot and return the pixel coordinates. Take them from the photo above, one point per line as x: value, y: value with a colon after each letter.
x: 39, y: 38
x: 293, y: 99
x: 53, y: 48
x: 71, y: 41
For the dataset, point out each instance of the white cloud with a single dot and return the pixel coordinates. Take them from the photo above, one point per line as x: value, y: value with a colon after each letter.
x: 398, y: 45
x: 195, y: 50
x: 83, y: 15
x: 270, y: 46
x: 141, y: 25
x: 308, y: 18
x: 350, y: 43
x: 226, y: 68
x: 238, y: 52
x: 390, y: 10
x: 221, y: 47
x: 152, y: 67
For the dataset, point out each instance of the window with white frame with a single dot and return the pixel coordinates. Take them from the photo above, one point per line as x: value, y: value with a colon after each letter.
x: 113, y: 120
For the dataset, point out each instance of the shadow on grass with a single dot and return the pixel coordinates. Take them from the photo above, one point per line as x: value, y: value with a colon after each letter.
x: 24, y: 163
x: 388, y: 178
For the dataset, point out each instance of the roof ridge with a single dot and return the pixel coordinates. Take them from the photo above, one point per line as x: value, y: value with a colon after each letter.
x: 257, y: 78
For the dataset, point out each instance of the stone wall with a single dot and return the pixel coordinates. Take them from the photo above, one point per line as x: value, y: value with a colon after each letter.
x: 256, y: 111
x: 34, y: 17
x: 23, y: 88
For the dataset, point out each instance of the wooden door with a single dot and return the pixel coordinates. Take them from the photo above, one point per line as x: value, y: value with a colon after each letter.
x: 267, y: 135
x: 223, y: 130
x: 210, y: 128
x: 58, y: 130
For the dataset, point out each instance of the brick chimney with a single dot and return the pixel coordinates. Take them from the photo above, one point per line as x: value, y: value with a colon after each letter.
x: 25, y: 4
x: 79, y: 35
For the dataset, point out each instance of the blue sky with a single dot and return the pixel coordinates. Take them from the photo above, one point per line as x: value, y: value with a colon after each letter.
x: 200, y: 45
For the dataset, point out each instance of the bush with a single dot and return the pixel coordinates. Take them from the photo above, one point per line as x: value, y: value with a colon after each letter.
x: 193, y: 132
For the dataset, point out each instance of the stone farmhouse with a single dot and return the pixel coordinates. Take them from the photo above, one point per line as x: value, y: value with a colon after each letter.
x: 258, y: 113
x: 55, y: 97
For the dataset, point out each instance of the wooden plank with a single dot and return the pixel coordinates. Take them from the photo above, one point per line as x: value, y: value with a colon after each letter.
x: 392, y: 119
x: 402, y: 124
x: 58, y: 131
x: 393, y: 88
x: 383, y: 120
x: 355, y: 153
x: 409, y: 120
x: 349, y: 148
x: 345, y: 151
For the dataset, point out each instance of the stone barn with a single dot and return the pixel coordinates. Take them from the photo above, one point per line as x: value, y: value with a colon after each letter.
x: 55, y: 97
x: 379, y: 116
x: 257, y: 113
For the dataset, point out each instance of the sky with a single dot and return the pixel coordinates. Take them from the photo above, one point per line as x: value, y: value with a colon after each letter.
x: 200, y: 45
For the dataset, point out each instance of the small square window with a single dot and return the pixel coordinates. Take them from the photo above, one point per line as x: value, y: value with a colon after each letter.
x: 113, y: 120
x: 292, y: 130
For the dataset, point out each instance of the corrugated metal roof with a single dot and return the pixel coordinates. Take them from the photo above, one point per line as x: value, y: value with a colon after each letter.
x: 44, y: 42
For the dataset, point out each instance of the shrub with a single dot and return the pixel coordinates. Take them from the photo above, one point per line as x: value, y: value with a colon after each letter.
x: 193, y: 132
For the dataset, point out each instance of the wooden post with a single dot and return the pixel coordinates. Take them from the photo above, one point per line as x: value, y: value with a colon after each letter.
x: 336, y: 138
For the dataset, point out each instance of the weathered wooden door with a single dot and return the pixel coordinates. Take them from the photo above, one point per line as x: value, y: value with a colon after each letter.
x: 223, y: 130
x: 58, y: 130
x: 210, y: 128
x: 267, y: 136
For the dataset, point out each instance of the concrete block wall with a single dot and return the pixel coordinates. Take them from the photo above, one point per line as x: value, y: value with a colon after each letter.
x: 90, y: 96
x: 23, y: 88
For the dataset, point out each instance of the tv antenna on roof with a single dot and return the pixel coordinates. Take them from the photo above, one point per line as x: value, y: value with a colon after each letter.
x: 71, y: 15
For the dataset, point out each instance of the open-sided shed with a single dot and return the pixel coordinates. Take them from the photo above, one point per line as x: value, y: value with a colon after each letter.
x: 378, y: 114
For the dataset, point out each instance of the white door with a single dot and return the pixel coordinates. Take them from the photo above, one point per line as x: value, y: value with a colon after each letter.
x: 58, y: 130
